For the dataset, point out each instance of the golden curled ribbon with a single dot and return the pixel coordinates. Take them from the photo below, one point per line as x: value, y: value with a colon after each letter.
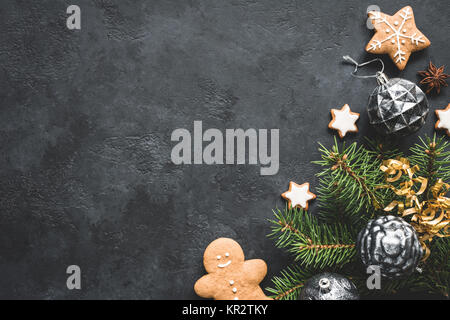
x: 398, y: 167
x: 431, y: 217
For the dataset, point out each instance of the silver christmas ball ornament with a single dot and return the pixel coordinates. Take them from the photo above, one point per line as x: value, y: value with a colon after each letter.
x: 329, y: 286
x: 397, y: 107
x: 390, y: 243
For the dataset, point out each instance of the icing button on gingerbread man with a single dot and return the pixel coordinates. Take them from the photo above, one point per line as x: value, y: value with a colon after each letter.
x: 229, y: 276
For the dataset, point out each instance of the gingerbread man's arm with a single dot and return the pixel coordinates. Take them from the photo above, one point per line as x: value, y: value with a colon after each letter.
x: 205, y: 286
x: 255, y: 270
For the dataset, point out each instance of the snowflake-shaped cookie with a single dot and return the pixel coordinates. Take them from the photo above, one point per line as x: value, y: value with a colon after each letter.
x: 444, y: 119
x: 396, y: 35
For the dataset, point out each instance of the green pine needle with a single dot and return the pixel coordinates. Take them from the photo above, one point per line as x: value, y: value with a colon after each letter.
x: 349, y: 184
x: 432, y: 155
x: 288, y: 284
x: 311, y: 242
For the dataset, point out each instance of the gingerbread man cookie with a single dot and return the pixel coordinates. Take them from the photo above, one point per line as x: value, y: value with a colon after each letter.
x: 396, y: 35
x: 229, y: 276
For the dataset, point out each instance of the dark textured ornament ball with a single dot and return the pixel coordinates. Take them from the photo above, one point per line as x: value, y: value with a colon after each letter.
x: 397, y: 108
x: 329, y: 286
x: 390, y: 243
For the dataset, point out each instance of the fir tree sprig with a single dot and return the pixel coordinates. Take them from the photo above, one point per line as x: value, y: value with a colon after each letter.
x: 311, y: 242
x: 432, y: 155
x: 349, y: 186
x: 288, y: 284
x: 436, y: 272
x: 381, y: 151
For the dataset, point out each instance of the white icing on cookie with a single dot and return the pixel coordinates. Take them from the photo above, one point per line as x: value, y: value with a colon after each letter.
x: 234, y: 290
x: 224, y: 265
x: 399, y: 30
x: 236, y: 298
x: 231, y: 282
x: 298, y: 195
x: 344, y: 120
x: 219, y: 257
x: 444, y: 119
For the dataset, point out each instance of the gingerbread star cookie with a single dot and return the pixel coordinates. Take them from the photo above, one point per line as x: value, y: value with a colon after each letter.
x: 444, y: 119
x: 343, y: 120
x: 298, y: 195
x: 396, y: 35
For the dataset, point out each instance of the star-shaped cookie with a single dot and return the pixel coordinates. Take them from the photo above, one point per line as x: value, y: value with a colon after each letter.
x: 444, y: 119
x: 343, y: 120
x: 298, y: 195
x: 396, y: 35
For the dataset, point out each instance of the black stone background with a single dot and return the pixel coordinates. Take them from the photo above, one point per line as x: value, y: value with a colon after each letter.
x: 86, y: 118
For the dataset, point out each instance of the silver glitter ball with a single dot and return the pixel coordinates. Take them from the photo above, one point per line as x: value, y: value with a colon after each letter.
x: 390, y: 243
x: 329, y: 286
x: 397, y: 107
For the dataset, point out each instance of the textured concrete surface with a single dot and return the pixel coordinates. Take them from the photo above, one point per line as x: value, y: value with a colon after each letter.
x: 86, y: 119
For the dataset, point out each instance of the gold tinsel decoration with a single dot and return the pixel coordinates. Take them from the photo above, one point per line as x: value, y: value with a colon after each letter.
x: 430, y: 218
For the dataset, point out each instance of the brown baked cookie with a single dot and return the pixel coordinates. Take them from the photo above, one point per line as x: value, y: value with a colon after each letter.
x: 396, y: 35
x: 298, y: 195
x: 443, y: 122
x: 343, y: 120
x: 229, y: 276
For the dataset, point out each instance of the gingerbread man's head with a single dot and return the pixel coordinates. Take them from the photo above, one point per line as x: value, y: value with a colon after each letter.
x: 223, y: 254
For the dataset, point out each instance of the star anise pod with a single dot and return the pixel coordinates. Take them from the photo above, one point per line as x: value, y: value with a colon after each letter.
x: 434, y: 78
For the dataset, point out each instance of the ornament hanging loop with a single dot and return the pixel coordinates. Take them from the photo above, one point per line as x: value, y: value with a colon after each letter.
x: 324, y: 283
x: 379, y: 75
x: 381, y: 78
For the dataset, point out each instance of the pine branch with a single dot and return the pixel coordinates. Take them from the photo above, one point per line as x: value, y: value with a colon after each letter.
x: 381, y: 151
x: 436, y: 274
x: 312, y: 243
x: 432, y: 156
x: 438, y: 282
x: 288, y: 285
x: 349, y: 184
